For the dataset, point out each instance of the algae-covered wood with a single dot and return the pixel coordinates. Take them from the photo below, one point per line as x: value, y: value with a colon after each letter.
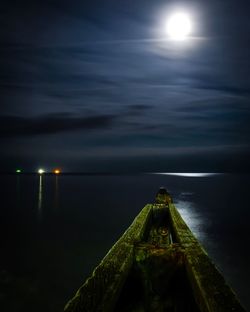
x: 210, y: 289
x: 157, y: 265
x: 101, y: 291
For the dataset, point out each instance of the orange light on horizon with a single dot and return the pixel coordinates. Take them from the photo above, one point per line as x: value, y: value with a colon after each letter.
x: 57, y: 171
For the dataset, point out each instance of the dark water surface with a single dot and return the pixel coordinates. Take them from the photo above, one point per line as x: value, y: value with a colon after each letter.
x: 55, y: 229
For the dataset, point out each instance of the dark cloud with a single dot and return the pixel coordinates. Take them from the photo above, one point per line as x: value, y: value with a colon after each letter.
x: 13, y: 126
x: 139, y: 107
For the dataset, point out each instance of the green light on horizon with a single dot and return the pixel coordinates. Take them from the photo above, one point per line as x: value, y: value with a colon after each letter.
x: 18, y: 171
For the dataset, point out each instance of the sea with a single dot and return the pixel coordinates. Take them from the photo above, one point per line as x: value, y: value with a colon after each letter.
x: 54, y: 230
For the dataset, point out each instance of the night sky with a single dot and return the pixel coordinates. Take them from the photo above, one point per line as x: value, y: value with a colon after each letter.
x: 98, y: 86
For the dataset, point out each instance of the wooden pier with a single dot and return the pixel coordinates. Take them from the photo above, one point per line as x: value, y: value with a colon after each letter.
x: 156, y: 265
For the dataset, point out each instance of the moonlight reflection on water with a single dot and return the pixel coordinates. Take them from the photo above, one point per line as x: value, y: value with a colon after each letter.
x: 189, y: 174
x: 193, y: 218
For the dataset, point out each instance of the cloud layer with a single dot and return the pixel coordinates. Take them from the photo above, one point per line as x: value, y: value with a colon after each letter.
x: 98, y: 75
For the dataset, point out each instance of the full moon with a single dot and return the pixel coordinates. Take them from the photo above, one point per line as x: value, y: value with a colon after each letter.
x: 179, y: 26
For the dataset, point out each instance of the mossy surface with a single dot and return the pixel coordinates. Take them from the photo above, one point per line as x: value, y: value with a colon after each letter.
x: 101, y: 290
x: 211, y: 292
x: 157, y: 265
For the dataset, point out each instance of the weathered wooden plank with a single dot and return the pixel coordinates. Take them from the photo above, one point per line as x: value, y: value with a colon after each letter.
x: 101, y: 290
x: 211, y: 292
x: 147, y: 245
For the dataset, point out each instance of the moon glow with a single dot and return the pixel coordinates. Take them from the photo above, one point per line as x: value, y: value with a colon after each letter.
x: 179, y: 26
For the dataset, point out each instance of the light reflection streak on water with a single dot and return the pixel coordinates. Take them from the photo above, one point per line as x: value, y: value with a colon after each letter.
x: 193, y: 219
x: 18, y: 191
x: 40, y: 195
x: 56, y: 193
x: 189, y: 174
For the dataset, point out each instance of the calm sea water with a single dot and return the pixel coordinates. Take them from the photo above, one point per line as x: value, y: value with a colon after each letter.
x: 55, y: 229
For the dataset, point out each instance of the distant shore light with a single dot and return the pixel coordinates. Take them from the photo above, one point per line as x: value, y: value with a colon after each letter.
x: 40, y: 171
x: 18, y: 170
x: 57, y: 171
